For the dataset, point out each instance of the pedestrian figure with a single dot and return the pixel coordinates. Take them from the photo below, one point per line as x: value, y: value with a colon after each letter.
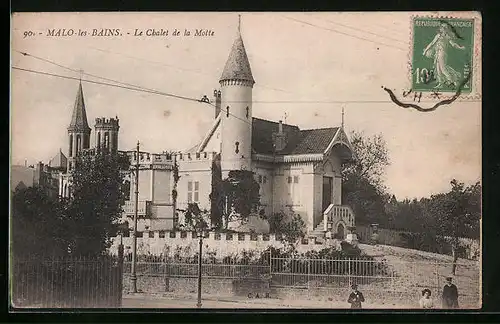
x: 426, y: 300
x: 450, y: 294
x: 356, y: 297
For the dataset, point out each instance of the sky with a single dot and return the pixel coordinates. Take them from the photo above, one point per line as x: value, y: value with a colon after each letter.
x: 306, y: 65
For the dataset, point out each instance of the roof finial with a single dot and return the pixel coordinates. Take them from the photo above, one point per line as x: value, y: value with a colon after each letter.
x: 342, y: 117
x: 239, y: 24
x: 81, y: 73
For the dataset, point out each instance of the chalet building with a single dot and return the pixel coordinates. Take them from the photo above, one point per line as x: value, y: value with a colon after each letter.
x: 298, y: 170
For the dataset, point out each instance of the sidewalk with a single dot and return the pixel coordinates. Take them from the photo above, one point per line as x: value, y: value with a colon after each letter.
x: 170, y: 300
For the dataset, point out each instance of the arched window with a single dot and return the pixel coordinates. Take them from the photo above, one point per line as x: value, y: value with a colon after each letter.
x: 70, y: 145
x: 78, y: 144
x: 86, y: 141
x: 98, y: 140
x: 115, y: 141
x: 106, y: 140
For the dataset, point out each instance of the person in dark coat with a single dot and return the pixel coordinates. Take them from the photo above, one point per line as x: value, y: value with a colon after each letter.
x: 356, y: 297
x: 450, y: 294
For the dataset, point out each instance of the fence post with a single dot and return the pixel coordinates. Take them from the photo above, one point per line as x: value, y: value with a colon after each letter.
x: 348, y: 273
x: 308, y: 276
x: 120, y: 275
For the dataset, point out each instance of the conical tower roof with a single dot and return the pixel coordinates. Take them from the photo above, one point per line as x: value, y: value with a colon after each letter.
x: 79, y: 118
x: 237, y: 65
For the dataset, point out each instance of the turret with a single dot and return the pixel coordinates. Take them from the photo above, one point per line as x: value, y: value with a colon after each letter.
x: 106, y: 134
x: 236, y: 108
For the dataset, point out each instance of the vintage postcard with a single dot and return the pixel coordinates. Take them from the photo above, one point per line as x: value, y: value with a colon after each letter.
x: 246, y: 160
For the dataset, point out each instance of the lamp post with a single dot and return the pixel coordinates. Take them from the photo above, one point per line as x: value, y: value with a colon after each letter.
x: 133, y: 277
x: 200, y: 237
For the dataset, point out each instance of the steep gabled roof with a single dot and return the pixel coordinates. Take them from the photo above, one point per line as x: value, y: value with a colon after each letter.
x: 309, y: 141
x: 58, y: 161
x: 79, y: 117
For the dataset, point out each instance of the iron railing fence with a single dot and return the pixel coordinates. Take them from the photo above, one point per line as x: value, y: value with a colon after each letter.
x: 67, y: 282
x: 382, y: 279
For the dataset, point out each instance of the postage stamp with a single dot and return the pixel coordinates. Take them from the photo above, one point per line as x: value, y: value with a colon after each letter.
x: 442, y: 54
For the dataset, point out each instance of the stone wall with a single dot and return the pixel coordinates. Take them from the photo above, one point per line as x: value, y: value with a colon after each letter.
x: 186, y: 286
x: 223, y: 244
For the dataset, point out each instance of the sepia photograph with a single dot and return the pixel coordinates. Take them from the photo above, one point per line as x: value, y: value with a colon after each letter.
x: 245, y: 160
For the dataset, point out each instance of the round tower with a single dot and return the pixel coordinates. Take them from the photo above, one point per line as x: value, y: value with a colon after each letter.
x: 78, y: 130
x: 236, y: 109
x: 106, y: 134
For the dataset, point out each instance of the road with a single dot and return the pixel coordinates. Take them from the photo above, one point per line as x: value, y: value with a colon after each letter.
x: 146, y: 301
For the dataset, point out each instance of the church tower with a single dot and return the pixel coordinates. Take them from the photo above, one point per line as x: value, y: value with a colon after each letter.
x: 78, y: 130
x: 236, y: 109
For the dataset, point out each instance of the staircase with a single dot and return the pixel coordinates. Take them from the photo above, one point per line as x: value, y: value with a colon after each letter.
x: 319, y: 230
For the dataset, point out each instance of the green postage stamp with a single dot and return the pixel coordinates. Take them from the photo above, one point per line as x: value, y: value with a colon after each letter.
x: 443, y: 53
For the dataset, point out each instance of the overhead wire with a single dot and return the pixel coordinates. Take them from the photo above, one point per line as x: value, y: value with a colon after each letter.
x: 367, y: 32
x: 343, y: 33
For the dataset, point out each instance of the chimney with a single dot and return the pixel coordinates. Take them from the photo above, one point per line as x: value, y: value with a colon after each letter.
x: 217, y: 96
x: 279, y: 138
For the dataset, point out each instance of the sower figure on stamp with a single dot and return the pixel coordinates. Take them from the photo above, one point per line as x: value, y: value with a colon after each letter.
x: 356, y: 297
x: 438, y: 49
x: 450, y: 294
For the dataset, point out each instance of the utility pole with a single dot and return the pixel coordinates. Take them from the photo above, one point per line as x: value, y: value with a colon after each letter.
x: 200, y: 235
x: 133, y: 277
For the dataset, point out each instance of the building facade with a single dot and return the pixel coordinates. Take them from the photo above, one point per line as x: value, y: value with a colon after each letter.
x: 298, y: 171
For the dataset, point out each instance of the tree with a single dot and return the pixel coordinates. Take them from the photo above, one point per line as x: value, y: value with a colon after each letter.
x: 242, y: 193
x: 363, y: 179
x: 194, y: 219
x: 457, y: 214
x: 96, y: 202
x: 372, y: 157
x: 38, y: 224
x: 217, y: 194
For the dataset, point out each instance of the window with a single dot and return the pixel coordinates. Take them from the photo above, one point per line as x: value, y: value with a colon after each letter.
x: 193, y: 191
x: 151, y: 234
x: 70, y: 145
x: 162, y: 234
x: 172, y: 234
x: 265, y: 179
x: 184, y: 234
x: 293, y: 190
x: 139, y: 234
x: 260, y: 179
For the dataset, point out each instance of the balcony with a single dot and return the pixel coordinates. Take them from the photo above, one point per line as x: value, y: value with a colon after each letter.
x: 143, y: 208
